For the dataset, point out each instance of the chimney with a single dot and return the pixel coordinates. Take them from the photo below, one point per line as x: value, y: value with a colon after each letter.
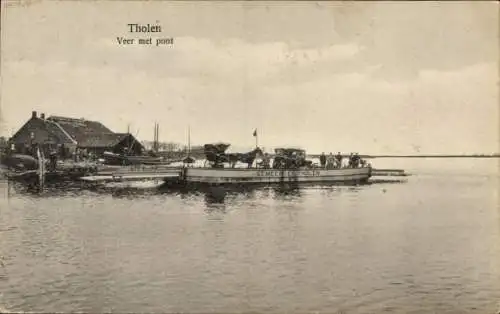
x: 33, y: 114
x: 42, y: 116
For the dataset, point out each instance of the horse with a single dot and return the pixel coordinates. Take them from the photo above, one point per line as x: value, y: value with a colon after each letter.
x: 247, y: 158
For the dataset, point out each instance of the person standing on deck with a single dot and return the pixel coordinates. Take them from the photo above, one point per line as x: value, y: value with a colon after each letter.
x: 339, y: 160
x: 356, y: 160
x: 322, y: 160
x: 265, y: 161
x: 329, y: 161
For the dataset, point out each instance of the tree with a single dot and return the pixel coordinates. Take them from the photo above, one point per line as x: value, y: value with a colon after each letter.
x: 169, y: 146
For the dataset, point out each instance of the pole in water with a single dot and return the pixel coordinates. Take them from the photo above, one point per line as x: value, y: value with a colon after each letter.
x: 41, y: 170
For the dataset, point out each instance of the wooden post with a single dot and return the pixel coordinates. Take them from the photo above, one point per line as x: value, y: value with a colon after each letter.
x: 41, y: 170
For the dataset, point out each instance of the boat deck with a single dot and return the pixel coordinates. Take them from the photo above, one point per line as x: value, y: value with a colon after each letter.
x: 131, y: 177
x: 389, y: 172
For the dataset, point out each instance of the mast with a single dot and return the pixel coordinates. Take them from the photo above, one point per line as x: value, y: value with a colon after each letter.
x: 133, y: 142
x: 189, y: 141
x: 129, y: 141
x: 157, y: 137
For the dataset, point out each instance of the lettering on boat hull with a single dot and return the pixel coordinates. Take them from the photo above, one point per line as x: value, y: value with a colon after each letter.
x: 242, y: 176
x: 288, y: 173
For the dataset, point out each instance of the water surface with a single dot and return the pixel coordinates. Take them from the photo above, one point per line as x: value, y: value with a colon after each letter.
x: 428, y: 245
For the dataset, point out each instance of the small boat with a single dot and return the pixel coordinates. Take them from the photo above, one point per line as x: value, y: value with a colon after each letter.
x: 133, y: 173
x: 117, y: 159
x: 289, y: 167
x: 22, y: 176
x: 139, y: 185
x: 20, y: 162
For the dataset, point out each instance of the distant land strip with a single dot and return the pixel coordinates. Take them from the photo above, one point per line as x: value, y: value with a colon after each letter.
x: 425, y: 156
x: 201, y: 155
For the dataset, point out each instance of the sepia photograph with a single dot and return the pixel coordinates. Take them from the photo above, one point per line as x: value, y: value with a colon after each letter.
x: 249, y: 157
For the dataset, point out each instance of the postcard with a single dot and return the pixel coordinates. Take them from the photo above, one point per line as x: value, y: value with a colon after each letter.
x: 249, y: 156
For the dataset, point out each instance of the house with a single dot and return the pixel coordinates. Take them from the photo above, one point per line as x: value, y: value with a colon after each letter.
x: 3, y: 145
x: 66, y: 135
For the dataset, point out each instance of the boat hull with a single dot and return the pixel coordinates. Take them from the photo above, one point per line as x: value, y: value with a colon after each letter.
x: 233, y: 176
x: 140, y: 185
x: 120, y: 160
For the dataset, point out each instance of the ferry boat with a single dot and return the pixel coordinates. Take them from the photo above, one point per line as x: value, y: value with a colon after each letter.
x: 280, y: 176
x: 289, y: 167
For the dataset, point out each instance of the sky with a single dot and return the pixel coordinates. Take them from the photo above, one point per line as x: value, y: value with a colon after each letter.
x: 369, y: 77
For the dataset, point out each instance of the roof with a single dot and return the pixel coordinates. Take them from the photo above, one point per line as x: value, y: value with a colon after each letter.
x: 57, y: 132
x: 79, y: 129
x: 84, y: 133
x: 103, y: 140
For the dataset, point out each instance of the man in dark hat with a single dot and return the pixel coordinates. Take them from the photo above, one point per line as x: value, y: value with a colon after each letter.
x: 322, y: 160
x: 53, y: 161
x: 338, y: 158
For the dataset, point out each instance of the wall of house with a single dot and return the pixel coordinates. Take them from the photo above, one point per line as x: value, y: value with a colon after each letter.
x: 34, y: 132
x: 97, y: 151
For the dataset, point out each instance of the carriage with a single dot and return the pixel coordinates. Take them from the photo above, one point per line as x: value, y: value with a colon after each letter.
x: 216, y: 155
x: 290, y: 158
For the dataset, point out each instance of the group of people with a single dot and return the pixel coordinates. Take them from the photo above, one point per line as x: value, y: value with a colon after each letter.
x: 331, y: 161
x: 328, y: 162
x: 266, y: 161
x: 294, y: 161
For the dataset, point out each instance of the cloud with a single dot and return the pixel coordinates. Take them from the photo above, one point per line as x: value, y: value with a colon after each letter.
x: 438, y: 110
x: 337, y: 76
x: 409, y: 36
x: 401, y: 37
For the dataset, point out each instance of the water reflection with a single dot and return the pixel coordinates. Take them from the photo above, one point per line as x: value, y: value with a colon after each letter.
x: 213, y: 195
x: 219, y: 197
x: 286, y: 191
x: 130, y: 193
x: 353, y: 189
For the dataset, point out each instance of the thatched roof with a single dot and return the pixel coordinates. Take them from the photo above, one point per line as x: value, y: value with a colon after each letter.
x: 80, y: 129
x: 82, y: 132
x: 104, y: 140
x: 57, y: 132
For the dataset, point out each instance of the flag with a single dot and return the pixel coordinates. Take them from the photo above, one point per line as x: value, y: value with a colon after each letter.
x: 255, y: 132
